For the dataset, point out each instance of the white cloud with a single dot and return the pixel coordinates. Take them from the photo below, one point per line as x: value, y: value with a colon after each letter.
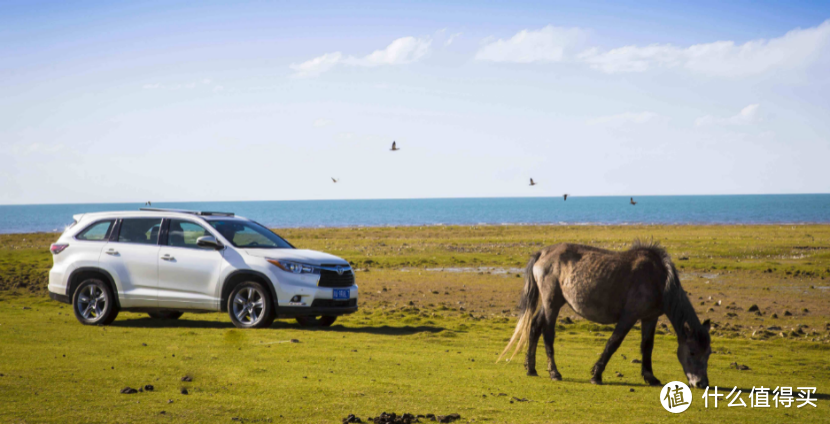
x: 322, y: 122
x: 794, y: 49
x: 549, y: 44
x: 452, y: 38
x: 746, y: 116
x: 400, y: 52
x: 316, y: 66
x: 624, y: 119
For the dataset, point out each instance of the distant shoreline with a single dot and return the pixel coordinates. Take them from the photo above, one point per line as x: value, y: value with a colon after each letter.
x: 507, y: 225
x: 790, y: 209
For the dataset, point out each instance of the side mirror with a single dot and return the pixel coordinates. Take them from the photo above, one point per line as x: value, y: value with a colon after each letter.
x: 209, y: 241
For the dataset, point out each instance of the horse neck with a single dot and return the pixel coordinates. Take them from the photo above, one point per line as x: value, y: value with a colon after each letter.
x: 678, y: 307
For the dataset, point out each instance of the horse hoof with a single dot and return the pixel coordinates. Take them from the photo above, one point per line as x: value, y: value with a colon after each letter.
x: 654, y: 382
x: 556, y: 376
x: 597, y: 381
x: 532, y: 374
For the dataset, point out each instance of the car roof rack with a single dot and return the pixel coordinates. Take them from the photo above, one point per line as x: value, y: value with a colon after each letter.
x: 201, y: 213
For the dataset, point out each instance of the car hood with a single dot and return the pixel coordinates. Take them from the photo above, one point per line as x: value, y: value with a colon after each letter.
x: 311, y: 257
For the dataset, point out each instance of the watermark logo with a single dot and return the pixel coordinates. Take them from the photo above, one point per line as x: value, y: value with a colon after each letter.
x: 676, y: 397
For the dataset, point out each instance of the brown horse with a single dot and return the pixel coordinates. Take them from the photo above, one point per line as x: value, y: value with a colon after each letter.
x: 604, y: 286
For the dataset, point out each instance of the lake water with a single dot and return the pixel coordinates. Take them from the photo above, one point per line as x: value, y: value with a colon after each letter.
x: 732, y: 209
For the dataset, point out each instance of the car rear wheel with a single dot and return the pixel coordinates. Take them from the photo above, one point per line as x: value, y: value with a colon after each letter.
x: 323, y: 321
x: 94, y: 303
x: 165, y: 314
x: 250, y: 306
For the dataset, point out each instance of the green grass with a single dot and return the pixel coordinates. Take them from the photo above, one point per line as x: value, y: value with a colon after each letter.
x: 56, y: 370
x: 785, y: 250
x: 417, y: 314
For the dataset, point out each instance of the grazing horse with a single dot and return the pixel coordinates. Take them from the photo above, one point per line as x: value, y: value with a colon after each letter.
x: 604, y: 286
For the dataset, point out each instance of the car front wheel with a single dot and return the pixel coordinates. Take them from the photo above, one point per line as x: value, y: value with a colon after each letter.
x: 250, y: 306
x: 94, y: 303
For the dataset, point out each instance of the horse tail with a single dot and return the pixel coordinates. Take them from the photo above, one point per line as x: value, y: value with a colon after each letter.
x: 528, y: 306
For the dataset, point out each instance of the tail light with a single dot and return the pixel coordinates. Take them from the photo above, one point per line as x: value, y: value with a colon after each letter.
x: 58, y: 248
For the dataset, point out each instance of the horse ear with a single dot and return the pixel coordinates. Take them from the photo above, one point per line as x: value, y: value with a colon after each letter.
x: 706, y: 325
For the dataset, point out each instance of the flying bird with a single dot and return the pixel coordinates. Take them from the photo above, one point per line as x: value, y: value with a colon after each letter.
x: 394, y: 147
x: 532, y: 183
x: 633, y: 202
x: 565, y: 196
x: 335, y: 180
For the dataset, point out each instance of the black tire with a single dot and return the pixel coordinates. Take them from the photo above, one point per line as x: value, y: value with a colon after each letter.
x: 165, y: 314
x: 259, y: 315
x: 103, y: 308
x: 311, y: 321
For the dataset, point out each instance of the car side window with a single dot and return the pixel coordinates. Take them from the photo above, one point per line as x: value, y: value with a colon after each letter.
x: 185, y: 233
x: 139, y: 230
x: 98, y: 231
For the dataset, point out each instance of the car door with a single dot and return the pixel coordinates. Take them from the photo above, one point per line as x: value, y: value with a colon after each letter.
x: 131, y: 256
x: 188, y: 273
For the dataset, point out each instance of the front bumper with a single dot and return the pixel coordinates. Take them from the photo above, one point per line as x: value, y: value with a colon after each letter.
x: 319, y: 307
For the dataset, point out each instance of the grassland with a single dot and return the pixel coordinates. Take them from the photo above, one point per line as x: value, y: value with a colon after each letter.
x: 437, y: 304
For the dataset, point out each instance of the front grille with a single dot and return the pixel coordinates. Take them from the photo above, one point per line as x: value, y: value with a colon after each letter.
x: 333, y: 279
x: 328, y: 303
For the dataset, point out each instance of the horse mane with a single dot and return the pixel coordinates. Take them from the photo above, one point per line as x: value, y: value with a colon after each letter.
x: 676, y: 305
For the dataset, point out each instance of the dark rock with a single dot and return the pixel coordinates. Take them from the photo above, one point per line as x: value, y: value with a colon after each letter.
x: 619, y: 374
x: 294, y: 341
x: 169, y: 400
x: 448, y: 418
x: 753, y: 308
x: 187, y: 378
x: 775, y: 316
x: 520, y: 400
x: 788, y: 314
x: 636, y: 361
x: 631, y: 390
x: 351, y: 419
x: 184, y: 391
x: 149, y: 388
x: 128, y: 391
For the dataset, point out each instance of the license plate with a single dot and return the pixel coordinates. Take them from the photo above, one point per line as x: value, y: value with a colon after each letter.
x: 340, y: 294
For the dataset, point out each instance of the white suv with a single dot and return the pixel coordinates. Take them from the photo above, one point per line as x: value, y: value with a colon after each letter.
x: 167, y: 262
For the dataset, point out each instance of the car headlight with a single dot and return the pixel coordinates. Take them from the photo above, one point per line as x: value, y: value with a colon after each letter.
x: 293, y: 267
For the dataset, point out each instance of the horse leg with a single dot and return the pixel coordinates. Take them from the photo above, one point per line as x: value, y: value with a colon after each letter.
x: 533, y: 340
x: 549, y: 333
x: 622, y: 329
x: 646, y: 346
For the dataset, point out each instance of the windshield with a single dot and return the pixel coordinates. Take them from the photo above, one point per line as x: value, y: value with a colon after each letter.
x: 248, y: 234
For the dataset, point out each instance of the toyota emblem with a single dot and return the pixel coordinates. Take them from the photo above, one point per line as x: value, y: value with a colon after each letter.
x: 340, y: 270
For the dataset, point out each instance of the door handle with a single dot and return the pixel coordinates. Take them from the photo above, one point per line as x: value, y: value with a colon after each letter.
x: 111, y: 252
x: 167, y: 257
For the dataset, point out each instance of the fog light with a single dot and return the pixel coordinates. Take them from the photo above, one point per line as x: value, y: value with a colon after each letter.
x: 295, y: 299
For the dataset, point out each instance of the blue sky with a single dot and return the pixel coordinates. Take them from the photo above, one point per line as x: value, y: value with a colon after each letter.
x: 166, y: 101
